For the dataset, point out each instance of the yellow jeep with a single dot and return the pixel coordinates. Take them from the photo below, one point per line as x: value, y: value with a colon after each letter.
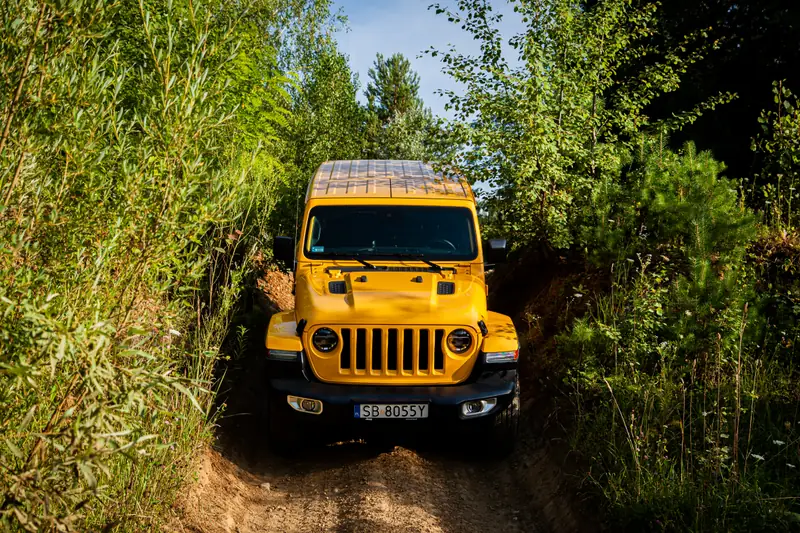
x: 390, y: 331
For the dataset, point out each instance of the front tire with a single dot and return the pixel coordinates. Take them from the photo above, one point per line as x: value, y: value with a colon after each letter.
x: 281, y: 435
x: 505, y: 430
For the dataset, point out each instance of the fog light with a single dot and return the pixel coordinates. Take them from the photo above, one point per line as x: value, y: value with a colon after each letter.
x: 474, y: 408
x: 305, y: 405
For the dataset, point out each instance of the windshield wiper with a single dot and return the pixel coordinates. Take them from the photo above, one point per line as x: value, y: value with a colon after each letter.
x: 365, y: 263
x: 354, y: 256
x: 418, y: 257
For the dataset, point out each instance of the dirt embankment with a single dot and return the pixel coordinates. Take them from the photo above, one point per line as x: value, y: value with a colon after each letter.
x: 241, y: 487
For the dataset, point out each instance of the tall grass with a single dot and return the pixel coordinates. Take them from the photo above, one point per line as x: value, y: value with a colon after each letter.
x: 775, y: 187
x: 126, y: 221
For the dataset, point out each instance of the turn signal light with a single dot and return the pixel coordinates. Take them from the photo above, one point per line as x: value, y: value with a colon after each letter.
x: 502, y: 357
x: 283, y: 355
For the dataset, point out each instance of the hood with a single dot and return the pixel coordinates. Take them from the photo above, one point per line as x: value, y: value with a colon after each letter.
x: 398, y: 295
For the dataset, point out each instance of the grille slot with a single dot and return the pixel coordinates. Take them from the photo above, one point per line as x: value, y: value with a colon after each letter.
x: 391, y: 351
x: 424, y: 349
x: 344, y: 358
x: 438, y: 351
x: 408, y: 350
x: 361, y: 349
x: 377, y: 349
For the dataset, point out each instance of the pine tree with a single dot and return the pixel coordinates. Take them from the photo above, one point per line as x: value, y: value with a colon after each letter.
x: 398, y: 126
x: 393, y: 88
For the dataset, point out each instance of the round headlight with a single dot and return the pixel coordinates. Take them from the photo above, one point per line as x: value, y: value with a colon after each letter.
x: 325, y: 339
x: 459, y: 341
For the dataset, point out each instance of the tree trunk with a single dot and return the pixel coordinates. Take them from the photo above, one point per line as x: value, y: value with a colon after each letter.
x: 21, y: 83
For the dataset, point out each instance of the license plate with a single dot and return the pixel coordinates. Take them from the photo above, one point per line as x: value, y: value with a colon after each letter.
x: 407, y: 411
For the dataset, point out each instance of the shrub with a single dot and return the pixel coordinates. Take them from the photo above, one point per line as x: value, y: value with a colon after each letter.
x: 123, y: 238
x: 689, y: 421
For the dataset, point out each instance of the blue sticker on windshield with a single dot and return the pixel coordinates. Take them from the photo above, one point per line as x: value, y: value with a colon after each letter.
x: 317, y: 249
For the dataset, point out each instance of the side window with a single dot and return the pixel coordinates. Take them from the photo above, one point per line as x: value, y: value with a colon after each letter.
x: 315, y: 232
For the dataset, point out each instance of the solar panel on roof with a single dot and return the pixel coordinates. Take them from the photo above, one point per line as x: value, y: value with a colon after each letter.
x: 385, y: 178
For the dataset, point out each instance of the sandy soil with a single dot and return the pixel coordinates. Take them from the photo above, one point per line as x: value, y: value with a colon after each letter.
x: 240, y: 487
x: 352, y: 488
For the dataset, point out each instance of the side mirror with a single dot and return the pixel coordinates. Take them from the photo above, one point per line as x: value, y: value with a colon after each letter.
x: 494, y: 251
x: 283, y: 250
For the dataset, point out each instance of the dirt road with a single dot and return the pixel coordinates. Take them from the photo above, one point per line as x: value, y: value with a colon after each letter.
x: 240, y: 487
x: 355, y: 488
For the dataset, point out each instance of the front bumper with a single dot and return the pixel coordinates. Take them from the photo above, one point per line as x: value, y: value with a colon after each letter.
x: 337, y: 420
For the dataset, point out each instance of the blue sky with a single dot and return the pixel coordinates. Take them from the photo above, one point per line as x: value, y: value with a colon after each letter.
x: 408, y: 27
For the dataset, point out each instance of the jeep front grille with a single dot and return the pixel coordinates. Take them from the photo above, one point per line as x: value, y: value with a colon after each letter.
x: 375, y: 353
x: 411, y: 351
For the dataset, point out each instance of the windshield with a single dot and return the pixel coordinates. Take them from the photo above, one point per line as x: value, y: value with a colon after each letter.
x: 391, y: 231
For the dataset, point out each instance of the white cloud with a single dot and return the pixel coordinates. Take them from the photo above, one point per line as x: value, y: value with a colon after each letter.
x: 408, y: 27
